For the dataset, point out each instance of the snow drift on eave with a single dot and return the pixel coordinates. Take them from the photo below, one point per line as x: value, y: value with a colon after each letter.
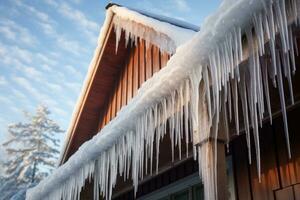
x: 201, y: 84
x: 164, y: 34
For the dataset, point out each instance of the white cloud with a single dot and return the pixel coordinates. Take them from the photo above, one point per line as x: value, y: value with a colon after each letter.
x: 77, y: 16
x: 89, y: 27
x: 41, y: 16
x: 27, y: 86
x: 54, y: 87
x: 18, y: 94
x: 73, y: 86
x: 48, y: 26
x: 70, y: 46
x: 5, y: 99
x: 3, y: 80
x: 7, y: 32
x: 182, y: 5
x: 46, y: 67
x: 46, y: 59
x: 73, y: 71
x: 33, y: 73
x: 62, y: 41
x: 76, y: 1
x: 16, y: 33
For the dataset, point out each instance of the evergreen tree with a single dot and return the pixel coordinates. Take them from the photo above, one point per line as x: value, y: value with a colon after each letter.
x: 32, y: 152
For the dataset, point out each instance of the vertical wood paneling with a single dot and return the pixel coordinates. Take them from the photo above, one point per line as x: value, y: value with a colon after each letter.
x: 130, y: 76
x: 297, y: 191
x: 269, y: 176
x: 124, y: 86
x: 155, y: 58
x: 142, y: 64
x: 113, y: 105
x: 285, y: 194
x: 164, y: 59
x: 283, y: 159
x: 135, y: 70
x: 240, y: 159
x: 279, y: 174
x: 295, y: 146
x: 119, y: 93
x: 149, y: 62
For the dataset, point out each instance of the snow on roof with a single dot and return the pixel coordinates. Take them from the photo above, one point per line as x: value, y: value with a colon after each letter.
x: 177, y: 32
x: 211, y: 57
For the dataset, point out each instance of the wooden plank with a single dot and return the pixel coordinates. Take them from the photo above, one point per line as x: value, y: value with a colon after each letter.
x: 142, y: 64
x: 119, y: 93
x: 135, y: 70
x: 297, y: 191
x: 221, y: 171
x: 155, y: 58
x: 283, y: 159
x: 295, y: 144
x: 124, y: 86
x: 130, y: 78
x: 240, y: 160
x: 108, y: 114
x: 149, y: 62
x: 114, y: 104
x: 285, y: 194
x: 269, y: 176
x: 164, y: 59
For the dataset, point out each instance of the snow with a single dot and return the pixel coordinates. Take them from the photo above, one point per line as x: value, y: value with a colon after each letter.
x: 200, y: 81
x: 177, y: 22
x: 167, y: 37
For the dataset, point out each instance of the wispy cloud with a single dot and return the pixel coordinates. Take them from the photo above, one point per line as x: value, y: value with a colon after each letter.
x: 89, y: 27
x: 73, y: 86
x: 27, y: 86
x: 182, y: 5
x: 62, y: 41
x: 3, y: 80
x: 16, y: 33
x: 41, y: 16
x: 5, y: 100
x: 74, y: 71
x: 48, y: 26
x: 18, y: 94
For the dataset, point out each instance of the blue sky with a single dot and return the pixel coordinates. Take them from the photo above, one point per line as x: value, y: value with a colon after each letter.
x: 46, y: 47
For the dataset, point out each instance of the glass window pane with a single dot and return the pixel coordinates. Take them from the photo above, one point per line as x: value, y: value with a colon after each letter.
x: 165, y: 198
x: 181, y: 196
x: 198, y: 192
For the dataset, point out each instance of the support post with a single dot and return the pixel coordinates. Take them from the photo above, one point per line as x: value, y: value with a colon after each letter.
x: 211, y: 154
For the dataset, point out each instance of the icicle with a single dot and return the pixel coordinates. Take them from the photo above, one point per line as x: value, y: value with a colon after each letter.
x: 197, y: 104
x: 266, y: 87
x: 186, y: 116
x: 282, y: 102
x: 236, y: 106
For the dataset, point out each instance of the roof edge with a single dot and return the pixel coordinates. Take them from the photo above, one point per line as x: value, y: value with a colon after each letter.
x: 111, y: 4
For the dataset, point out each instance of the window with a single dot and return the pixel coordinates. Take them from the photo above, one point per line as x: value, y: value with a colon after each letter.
x: 190, y: 188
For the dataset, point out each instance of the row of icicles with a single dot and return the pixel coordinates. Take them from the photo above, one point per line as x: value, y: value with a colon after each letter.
x: 219, y: 86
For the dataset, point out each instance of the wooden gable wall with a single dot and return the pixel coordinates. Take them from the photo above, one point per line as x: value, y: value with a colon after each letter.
x: 140, y: 65
x: 114, y: 83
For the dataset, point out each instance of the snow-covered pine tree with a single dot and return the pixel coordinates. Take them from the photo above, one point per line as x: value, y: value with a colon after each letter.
x: 32, y: 152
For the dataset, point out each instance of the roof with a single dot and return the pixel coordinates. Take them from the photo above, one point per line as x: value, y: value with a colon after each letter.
x: 164, y: 34
x: 162, y: 18
x: 211, y: 58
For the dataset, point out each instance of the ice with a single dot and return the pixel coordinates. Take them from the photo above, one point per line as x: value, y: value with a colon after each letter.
x: 207, y: 75
x: 166, y: 34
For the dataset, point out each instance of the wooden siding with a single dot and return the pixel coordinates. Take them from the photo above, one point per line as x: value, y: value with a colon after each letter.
x: 280, y: 178
x: 140, y: 65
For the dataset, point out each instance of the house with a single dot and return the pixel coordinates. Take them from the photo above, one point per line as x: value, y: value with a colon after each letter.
x: 171, y: 112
